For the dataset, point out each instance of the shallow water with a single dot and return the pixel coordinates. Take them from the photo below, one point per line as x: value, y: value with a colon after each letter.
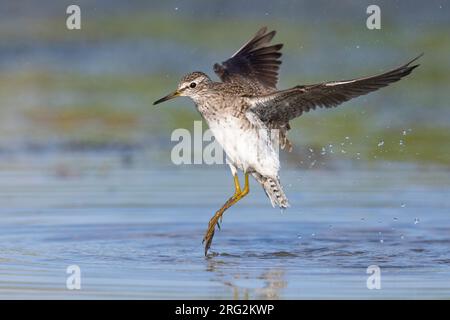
x: 135, y: 230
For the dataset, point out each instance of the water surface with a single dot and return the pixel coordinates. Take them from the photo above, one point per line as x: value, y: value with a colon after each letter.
x: 135, y: 230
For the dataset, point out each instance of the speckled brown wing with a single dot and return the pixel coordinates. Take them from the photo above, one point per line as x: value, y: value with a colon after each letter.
x: 285, y: 105
x: 255, y: 65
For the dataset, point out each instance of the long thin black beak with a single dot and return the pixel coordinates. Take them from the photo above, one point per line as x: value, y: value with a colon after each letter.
x: 168, y: 97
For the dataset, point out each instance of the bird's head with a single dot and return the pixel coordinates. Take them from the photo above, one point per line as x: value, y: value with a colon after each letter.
x: 190, y: 86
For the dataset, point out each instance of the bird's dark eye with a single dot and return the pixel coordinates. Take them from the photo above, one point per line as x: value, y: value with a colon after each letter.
x: 192, y: 85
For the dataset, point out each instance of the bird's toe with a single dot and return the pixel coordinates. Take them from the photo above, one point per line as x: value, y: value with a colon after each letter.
x: 207, y: 240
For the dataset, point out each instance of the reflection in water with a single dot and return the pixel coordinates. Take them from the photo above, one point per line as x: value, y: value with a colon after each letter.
x: 266, y: 284
x: 274, y: 283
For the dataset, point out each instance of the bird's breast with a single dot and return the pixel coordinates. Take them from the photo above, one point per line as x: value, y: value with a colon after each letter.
x: 246, y: 146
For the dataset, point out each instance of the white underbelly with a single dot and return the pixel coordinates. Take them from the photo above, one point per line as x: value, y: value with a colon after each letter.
x: 247, y: 149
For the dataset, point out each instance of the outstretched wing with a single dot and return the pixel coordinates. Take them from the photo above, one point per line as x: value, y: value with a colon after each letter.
x: 255, y: 64
x: 285, y: 105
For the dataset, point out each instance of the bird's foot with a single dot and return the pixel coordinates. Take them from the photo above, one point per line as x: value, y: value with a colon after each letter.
x: 226, y: 205
x: 209, y: 235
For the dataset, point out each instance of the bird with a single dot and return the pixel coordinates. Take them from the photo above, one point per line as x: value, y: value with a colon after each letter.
x: 249, y: 117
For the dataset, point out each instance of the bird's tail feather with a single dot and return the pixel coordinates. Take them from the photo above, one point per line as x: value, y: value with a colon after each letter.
x: 273, y: 189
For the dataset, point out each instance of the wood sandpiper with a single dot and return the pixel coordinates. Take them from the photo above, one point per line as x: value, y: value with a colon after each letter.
x: 245, y: 109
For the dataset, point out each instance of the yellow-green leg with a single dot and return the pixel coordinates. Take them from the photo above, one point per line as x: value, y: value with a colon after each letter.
x: 238, y: 195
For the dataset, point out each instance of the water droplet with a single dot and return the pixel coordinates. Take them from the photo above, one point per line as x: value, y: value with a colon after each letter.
x: 381, y: 237
x: 401, y: 143
x: 395, y: 218
x: 343, y: 151
x: 402, y: 237
x: 299, y: 236
x: 381, y: 143
x: 311, y: 150
x: 347, y: 138
x: 176, y: 8
x: 416, y: 220
x: 404, y: 132
x: 403, y: 205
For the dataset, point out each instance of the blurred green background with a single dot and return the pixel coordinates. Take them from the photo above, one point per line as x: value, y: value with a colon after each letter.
x: 92, y: 89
